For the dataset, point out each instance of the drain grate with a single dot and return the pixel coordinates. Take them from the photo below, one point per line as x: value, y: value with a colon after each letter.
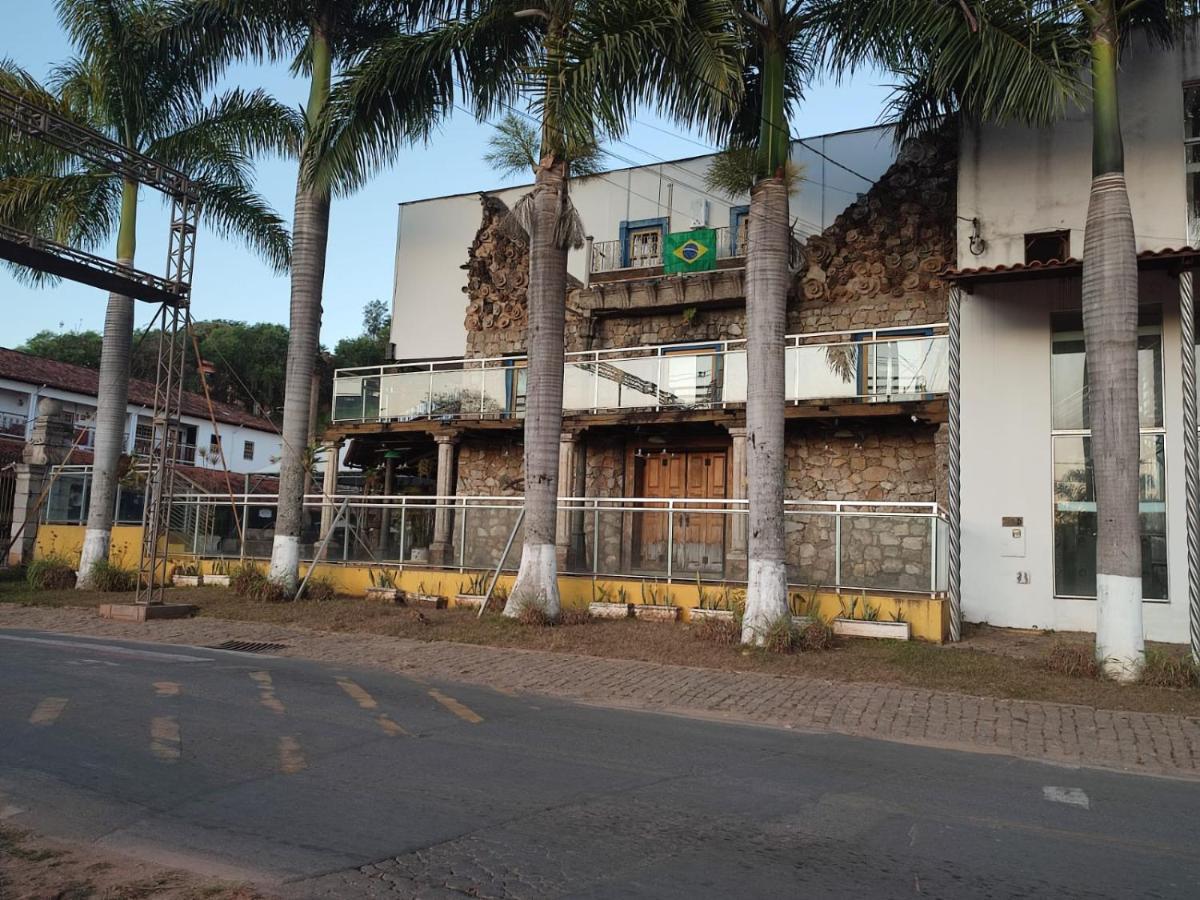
x: 248, y: 646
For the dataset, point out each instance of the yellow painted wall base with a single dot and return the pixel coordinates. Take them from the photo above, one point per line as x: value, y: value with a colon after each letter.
x: 929, y: 618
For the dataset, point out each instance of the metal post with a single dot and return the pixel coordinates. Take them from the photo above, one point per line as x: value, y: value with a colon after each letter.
x: 587, y: 261
x: 462, y: 533
x: 500, y: 565
x: 595, y: 537
x: 670, y: 539
x: 403, y: 517
x: 933, y: 551
x: 953, y: 585
x: 837, y: 546
x: 1191, y: 454
x: 245, y: 518
x: 320, y: 553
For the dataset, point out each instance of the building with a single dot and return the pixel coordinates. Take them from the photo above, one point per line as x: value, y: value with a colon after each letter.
x: 653, y: 447
x: 251, y: 444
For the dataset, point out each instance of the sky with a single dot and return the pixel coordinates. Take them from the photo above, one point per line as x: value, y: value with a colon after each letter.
x: 230, y: 282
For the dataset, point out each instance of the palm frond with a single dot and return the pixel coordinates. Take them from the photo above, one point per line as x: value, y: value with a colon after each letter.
x: 234, y: 210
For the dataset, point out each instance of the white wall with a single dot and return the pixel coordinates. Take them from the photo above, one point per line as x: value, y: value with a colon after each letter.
x: 1018, y: 180
x: 433, y: 236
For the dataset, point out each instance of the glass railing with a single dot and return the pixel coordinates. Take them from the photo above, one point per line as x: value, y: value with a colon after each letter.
x: 870, y: 366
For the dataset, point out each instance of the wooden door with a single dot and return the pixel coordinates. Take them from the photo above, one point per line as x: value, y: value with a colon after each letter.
x: 699, y: 537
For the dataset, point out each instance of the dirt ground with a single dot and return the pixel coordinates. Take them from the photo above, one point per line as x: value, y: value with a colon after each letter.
x: 990, y: 662
x: 37, y: 868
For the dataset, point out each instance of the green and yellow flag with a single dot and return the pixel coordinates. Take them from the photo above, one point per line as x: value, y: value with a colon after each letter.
x: 690, y: 251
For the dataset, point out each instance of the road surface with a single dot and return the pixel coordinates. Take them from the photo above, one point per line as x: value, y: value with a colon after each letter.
x: 327, y: 781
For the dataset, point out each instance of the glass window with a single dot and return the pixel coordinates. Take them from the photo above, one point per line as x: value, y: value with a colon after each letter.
x: 1075, y: 517
x: 1191, y: 141
x: 248, y: 450
x: 1068, y: 380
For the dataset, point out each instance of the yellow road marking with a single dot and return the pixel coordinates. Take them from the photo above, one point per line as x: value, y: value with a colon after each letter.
x: 357, y: 693
x: 291, y: 757
x: 164, y: 738
x: 166, y: 689
x: 266, y: 692
x: 48, y: 710
x: 463, y: 712
x: 389, y: 726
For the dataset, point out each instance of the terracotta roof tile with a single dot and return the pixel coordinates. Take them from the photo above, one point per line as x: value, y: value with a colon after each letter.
x: 1071, y: 263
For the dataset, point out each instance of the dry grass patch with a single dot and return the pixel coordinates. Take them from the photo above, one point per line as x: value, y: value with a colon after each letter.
x: 1072, y: 659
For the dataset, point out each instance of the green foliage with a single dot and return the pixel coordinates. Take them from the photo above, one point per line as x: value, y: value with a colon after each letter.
x: 782, y: 636
x: 189, y: 568
x: 476, y: 585
x: 51, y: 572
x: 369, y: 348
x: 109, y: 577
x: 382, y: 578
x: 79, y: 348
x: 248, y: 360
x: 515, y: 149
x: 1163, y: 668
x: 249, y: 582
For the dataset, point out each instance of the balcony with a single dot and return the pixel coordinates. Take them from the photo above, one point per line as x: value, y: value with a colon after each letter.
x: 12, y: 425
x: 881, y: 366
x: 609, y: 258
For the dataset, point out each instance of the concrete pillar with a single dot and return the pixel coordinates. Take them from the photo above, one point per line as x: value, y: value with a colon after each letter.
x: 736, y: 558
x: 329, y: 487
x: 447, y: 483
x: 572, y: 482
x: 49, y: 445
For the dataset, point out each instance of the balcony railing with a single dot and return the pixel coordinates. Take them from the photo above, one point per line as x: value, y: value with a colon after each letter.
x: 12, y: 424
x: 842, y: 545
x: 884, y: 365
x: 609, y: 256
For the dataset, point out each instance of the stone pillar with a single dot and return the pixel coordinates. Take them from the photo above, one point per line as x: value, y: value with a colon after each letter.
x: 443, y: 516
x: 736, y: 558
x: 329, y: 488
x: 572, y: 482
x: 49, y: 445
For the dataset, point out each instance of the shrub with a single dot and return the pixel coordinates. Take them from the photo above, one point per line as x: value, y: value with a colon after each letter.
x: 1074, y: 660
x: 532, y: 614
x: 112, y: 578
x: 52, y: 572
x: 251, y: 584
x: 575, y: 616
x: 190, y: 568
x: 719, y: 631
x: 817, y: 636
x: 783, y: 636
x: 320, y: 590
x: 1165, y: 669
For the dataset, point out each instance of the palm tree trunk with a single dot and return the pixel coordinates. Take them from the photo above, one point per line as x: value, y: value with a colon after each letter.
x: 1110, y: 316
x: 766, y: 315
x: 310, y: 238
x: 537, y: 579
x: 767, y: 277
x: 112, y: 402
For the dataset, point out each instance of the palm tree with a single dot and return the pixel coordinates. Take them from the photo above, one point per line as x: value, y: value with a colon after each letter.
x: 1061, y: 39
x: 582, y: 66
x: 139, y: 77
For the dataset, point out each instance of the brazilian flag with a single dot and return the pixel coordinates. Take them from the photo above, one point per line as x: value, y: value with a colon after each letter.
x: 690, y: 251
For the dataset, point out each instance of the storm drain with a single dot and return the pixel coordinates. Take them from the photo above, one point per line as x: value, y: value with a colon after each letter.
x: 248, y: 646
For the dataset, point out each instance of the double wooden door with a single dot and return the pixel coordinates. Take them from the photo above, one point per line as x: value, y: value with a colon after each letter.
x: 696, y: 537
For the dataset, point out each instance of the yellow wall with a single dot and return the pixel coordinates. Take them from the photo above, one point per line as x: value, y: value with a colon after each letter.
x: 929, y: 618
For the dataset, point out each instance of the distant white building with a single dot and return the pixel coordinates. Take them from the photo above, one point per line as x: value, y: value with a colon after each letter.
x: 251, y: 444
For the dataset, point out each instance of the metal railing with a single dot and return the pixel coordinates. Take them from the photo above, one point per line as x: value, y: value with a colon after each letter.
x: 869, y: 366
x: 609, y: 256
x: 838, y: 545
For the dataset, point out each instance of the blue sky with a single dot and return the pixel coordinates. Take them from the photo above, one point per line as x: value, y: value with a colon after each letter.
x: 231, y: 283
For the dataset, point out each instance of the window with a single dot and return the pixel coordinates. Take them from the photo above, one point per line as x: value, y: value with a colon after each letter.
x: 214, y: 447
x: 248, y: 450
x: 642, y: 243
x: 1074, y: 488
x: 1047, y: 246
x: 1191, y: 159
x: 739, y: 230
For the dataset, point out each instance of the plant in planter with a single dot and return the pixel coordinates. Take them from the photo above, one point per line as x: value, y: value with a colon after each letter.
x: 420, y: 534
x: 187, y: 574
x: 860, y: 618
x: 473, y: 592
x: 658, y: 604
x: 724, y: 605
x: 383, y: 587
x: 219, y: 575
x: 423, y: 598
x: 607, y: 603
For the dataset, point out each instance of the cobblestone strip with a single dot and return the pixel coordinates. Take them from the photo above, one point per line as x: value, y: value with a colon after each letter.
x: 1051, y: 731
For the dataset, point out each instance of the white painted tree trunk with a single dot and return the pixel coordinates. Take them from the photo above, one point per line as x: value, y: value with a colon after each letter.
x: 536, y: 584
x: 767, y: 277
x: 111, y: 434
x: 310, y: 237
x: 1110, y: 317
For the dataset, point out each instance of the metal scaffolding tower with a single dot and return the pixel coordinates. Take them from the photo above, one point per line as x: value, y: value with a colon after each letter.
x: 172, y: 292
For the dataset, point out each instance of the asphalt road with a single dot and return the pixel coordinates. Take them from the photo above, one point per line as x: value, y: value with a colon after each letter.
x: 322, y: 781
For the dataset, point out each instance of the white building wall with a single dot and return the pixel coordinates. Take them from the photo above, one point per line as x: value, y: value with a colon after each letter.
x: 433, y: 236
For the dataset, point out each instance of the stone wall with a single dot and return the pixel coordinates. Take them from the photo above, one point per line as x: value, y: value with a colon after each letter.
x: 490, y: 468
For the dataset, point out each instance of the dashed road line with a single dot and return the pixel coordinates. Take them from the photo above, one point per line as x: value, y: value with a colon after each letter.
x: 463, y: 712
x: 1068, y: 795
x: 390, y: 727
x: 166, y: 689
x: 291, y: 757
x: 165, y: 742
x: 357, y: 693
x: 48, y: 711
x: 266, y: 692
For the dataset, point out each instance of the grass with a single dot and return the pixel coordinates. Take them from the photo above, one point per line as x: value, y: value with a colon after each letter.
x: 981, y: 672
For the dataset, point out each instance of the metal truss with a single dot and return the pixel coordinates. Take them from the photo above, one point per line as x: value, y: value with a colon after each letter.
x: 173, y: 292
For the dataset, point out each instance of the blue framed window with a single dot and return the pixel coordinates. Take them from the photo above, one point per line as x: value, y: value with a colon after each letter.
x: 738, y: 218
x: 642, y: 242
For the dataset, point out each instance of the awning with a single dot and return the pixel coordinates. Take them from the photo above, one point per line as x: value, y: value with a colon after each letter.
x: 1168, y: 259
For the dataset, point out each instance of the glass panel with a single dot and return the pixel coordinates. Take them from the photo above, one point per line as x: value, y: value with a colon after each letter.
x: 499, y: 390
x: 692, y: 379
x: 922, y: 365
x: 67, y: 500
x: 627, y: 383
x: 1191, y: 112
x: 455, y: 393
x: 698, y: 541
x: 1192, y: 169
x: 821, y: 371
x: 1068, y: 381
x: 605, y: 534
x: 811, y: 548
x: 891, y: 553
x: 404, y: 395
x: 1075, y: 517
x: 479, y: 536
x: 733, y: 381
x: 578, y: 385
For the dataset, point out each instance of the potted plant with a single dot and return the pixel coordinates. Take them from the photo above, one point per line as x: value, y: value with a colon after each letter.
x: 423, y: 598
x: 420, y: 533
x: 472, y: 592
x: 860, y: 618
x: 804, y: 609
x: 220, y: 573
x: 187, y: 574
x: 383, y: 586
x: 725, y: 604
x: 657, y: 604
x: 607, y: 604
